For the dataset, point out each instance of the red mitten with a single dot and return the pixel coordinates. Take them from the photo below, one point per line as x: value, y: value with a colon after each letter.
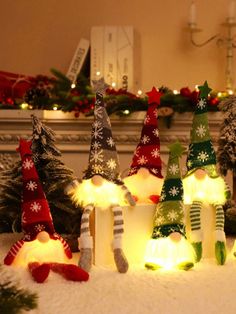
x: 39, y: 271
x: 154, y: 198
x: 70, y: 271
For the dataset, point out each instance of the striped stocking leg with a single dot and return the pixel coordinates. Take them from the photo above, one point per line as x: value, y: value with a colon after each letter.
x: 220, y: 247
x: 196, y: 234
x: 85, y: 240
x: 118, y: 230
x: 127, y: 195
x: 13, y: 252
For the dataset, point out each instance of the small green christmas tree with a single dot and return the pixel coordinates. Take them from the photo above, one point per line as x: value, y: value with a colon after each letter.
x: 227, y: 155
x: 13, y: 299
x: 54, y: 176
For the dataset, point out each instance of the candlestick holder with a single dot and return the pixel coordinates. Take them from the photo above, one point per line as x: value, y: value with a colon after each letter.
x: 229, y: 41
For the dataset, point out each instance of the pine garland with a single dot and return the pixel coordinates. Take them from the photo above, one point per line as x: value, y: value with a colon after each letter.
x: 56, y: 93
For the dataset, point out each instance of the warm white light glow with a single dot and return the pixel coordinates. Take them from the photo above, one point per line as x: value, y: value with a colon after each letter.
x: 143, y: 184
x: 98, y: 73
x: 103, y: 195
x: 24, y: 105
x: 139, y: 92
x: 73, y: 85
x: 113, y: 84
x: 175, y: 91
x: 196, y: 88
x: 42, y: 252
x: 126, y: 111
x: 211, y: 190
x: 230, y: 92
x: 168, y: 254
x: 219, y: 94
x: 55, y: 107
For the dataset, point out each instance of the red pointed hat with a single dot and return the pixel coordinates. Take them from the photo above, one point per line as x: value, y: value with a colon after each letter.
x: 36, y: 215
x: 147, y: 153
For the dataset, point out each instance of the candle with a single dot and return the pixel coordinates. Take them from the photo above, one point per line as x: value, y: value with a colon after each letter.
x: 231, y: 12
x: 192, y: 17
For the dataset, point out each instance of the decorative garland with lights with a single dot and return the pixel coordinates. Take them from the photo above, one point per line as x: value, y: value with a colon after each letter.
x: 57, y: 93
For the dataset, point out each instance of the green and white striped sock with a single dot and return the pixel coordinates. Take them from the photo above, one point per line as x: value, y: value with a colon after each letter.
x: 220, y: 221
x: 195, y: 217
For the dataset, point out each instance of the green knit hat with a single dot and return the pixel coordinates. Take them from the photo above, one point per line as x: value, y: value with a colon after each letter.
x: 169, y: 215
x: 201, y: 152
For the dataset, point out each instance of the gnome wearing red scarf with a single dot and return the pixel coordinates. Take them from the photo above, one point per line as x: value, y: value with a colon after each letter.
x: 41, y: 249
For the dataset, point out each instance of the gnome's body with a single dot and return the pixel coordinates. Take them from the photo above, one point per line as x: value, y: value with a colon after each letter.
x: 41, y: 248
x: 102, y: 186
x: 168, y: 247
x: 145, y: 179
x: 202, y: 184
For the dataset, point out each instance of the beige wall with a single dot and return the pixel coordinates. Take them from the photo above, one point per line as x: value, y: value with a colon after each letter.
x: 39, y: 34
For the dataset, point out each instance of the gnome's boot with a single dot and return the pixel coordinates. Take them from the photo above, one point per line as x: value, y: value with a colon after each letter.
x: 86, y: 241
x: 39, y: 271
x: 69, y: 271
x: 196, y: 234
x: 118, y: 230
x: 220, y: 244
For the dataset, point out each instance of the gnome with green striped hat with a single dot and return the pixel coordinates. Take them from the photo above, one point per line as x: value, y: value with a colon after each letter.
x: 168, y: 246
x: 202, y: 183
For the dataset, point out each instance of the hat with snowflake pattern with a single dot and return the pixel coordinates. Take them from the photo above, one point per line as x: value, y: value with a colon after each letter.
x: 103, y: 158
x: 147, y: 153
x: 169, y: 216
x: 201, y: 152
x: 35, y: 211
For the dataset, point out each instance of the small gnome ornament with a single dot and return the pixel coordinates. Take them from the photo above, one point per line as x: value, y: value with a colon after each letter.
x: 102, y: 186
x: 168, y: 247
x: 41, y: 249
x: 202, y: 184
x: 145, y: 179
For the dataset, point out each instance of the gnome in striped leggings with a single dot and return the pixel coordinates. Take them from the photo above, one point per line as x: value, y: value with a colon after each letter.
x: 202, y: 183
x: 41, y: 249
x: 102, y: 186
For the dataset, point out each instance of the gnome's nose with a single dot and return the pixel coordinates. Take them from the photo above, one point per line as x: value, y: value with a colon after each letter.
x: 43, y: 237
x: 97, y: 180
x: 200, y: 174
x: 144, y: 173
x: 175, y: 236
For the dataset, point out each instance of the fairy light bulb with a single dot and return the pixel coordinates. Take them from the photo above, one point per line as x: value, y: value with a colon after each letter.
x: 24, y: 105
x: 113, y: 84
x: 175, y: 91
x: 72, y: 85
x: 98, y: 73
x: 139, y: 92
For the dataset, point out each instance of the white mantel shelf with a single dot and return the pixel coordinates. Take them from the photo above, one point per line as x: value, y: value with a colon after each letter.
x: 73, y: 134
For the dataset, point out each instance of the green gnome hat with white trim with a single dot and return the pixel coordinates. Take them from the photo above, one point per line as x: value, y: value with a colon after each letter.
x: 169, y: 215
x: 201, y: 152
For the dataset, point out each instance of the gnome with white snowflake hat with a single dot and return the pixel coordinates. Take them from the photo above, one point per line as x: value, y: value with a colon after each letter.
x: 202, y: 183
x: 145, y: 178
x: 102, y: 185
x: 168, y: 246
x: 41, y: 249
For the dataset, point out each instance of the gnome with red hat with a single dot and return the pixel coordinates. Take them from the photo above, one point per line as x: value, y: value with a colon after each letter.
x: 41, y: 249
x: 145, y: 178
